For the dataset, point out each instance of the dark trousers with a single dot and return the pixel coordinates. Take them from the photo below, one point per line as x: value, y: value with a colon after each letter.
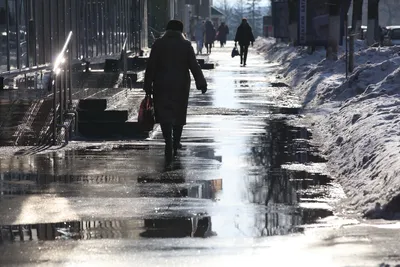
x: 208, y: 46
x: 172, y: 134
x: 243, y: 53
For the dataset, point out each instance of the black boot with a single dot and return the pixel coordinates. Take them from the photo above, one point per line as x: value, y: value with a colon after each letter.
x: 167, y: 134
x: 177, y: 138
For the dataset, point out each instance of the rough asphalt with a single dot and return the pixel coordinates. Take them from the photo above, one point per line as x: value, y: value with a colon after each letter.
x: 247, y: 188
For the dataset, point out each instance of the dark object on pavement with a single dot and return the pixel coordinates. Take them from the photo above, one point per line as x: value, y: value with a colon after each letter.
x: 1, y: 83
x: 146, y: 113
x: 279, y: 84
x: 208, y: 66
x: 168, y: 79
x: 235, y: 52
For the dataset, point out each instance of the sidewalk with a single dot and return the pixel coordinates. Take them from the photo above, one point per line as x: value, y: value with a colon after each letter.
x: 247, y: 177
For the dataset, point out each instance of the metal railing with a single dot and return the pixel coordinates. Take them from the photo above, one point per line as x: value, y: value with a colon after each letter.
x: 124, y: 61
x: 62, y: 86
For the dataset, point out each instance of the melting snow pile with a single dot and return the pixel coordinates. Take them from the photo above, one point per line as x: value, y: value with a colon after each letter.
x: 358, y: 118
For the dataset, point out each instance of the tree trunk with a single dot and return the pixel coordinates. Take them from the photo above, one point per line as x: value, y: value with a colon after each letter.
x: 373, y: 34
x: 390, y: 15
x: 293, y: 21
x: 355, y: 30
x: 357, y: 16
x: 334, y: 30
x: 253, y: 15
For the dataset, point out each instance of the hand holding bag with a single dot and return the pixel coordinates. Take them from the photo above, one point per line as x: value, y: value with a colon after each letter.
x: 235, y: 52
x: 146, y: 114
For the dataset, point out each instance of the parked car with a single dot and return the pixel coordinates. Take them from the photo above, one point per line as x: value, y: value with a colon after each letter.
x: 394, y: 35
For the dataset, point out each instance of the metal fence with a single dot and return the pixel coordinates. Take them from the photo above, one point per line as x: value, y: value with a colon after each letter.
x: 33, y: 31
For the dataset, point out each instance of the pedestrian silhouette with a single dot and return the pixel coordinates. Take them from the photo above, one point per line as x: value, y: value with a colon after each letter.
x: 244, y: 36
x: 167, y: 78
x: 199, y: 33
x: 209, y: 36
x: 222, y: 34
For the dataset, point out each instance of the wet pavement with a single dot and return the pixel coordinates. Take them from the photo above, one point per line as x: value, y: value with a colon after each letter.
x: 247, y: 188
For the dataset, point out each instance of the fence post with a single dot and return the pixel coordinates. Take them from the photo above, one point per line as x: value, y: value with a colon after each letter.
x: 351, y: 52
x: 61, y: 97
x: 70, y: 76
x: 54, y: 89
x: 123, y: 62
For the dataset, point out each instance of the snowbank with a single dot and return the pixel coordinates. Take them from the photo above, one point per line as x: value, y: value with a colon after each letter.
x: 358, y: 118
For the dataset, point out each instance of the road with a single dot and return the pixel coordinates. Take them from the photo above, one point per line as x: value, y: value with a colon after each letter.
x: 247, y: 188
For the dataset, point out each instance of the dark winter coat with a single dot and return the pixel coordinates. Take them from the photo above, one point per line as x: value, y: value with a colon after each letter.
x: 223, y: 31
x: 244, y: 34
x: 167, y: 77
x: 210, y: 32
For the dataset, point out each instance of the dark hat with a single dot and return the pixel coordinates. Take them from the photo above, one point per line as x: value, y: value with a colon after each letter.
x: 175, y: 25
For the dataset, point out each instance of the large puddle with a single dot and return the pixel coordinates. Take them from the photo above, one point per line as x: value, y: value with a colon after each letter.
x: 244, y: 171
x: 277, y: 181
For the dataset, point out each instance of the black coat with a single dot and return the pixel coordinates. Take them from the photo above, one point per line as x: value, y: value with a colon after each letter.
x: 244, y: 34
x: 210, y: 32
x: 167, y: 77
x: 223, y: 31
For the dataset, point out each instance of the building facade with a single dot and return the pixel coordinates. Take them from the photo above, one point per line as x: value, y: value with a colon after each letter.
x: 33, y: 31
x: 188, y: 11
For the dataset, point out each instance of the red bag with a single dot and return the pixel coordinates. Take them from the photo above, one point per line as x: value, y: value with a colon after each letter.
x: 146, y: 114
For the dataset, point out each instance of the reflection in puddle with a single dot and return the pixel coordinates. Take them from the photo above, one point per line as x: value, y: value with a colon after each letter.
x: 274, y: 170
x: 173, y: 227
x: 261, y: 172
x: 289, y: 190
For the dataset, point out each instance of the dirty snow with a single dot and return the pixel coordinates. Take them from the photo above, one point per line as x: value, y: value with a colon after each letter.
x: 357, y: 119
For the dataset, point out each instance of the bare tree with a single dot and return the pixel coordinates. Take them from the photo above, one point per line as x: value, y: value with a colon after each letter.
x: 255, y: 15
x: 334, y: 29
x: 239, y: 11
x: 357, y: 16
x: 373, y: 22
x: 293, y: 20
x: 226, y: 8
x: 389, y: 11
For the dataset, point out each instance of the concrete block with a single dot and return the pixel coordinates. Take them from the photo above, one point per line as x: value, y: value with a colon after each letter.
x: 201, y: 61
x: 112, y: 65
x: 93, y: 104
x: 137, y: 63
x: 101, y: 129
x: 208, y: 66
x: 134, y: 129
x: 103, y: 116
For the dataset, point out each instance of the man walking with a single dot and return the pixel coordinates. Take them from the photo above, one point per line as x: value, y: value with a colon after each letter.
x: 199, y: 36
x: 167, y: 78
x: 244, y: 36
x: 223, y: 31
x: 209, y: 36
